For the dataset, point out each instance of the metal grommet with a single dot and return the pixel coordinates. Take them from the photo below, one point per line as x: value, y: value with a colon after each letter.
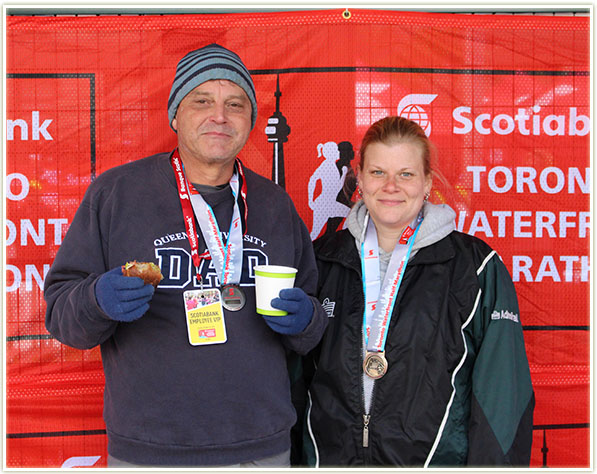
x: 346, y: 14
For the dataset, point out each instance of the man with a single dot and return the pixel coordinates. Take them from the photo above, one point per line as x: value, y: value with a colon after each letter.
x: 203, y: 383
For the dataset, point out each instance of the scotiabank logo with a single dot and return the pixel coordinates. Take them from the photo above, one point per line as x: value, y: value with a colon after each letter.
x: 410, y: 107
x: 524, y: 121
x: 531, y: 121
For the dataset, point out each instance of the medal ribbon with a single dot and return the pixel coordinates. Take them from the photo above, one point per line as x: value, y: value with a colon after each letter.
x: 381, y: 298
x: 227, y: 258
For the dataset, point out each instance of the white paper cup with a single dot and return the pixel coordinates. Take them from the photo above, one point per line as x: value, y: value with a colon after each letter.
x: 269, y: 280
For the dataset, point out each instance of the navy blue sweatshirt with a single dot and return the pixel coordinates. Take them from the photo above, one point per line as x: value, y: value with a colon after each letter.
x: 167, y: 402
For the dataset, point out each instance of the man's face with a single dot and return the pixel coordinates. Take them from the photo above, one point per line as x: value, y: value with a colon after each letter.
x: 213, y: 122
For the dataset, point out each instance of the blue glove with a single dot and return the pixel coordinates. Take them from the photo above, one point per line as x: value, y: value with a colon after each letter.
x: 299, y: 308
x: 122, y: 298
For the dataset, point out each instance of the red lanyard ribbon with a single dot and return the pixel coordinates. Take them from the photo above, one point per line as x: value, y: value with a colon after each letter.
x: 185, y: 192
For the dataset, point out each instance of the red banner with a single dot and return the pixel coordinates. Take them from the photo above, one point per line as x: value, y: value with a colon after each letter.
x: 504, y: 98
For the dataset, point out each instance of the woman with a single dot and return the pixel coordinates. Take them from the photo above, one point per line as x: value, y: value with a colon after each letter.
x: 432, y: 371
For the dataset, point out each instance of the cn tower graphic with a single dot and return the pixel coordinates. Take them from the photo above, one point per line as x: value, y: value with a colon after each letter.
x: 277, y: 131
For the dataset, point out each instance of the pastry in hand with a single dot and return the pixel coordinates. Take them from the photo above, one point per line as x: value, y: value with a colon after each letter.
x: 149, y: 272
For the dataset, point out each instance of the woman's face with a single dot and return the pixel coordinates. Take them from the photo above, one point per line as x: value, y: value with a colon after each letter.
x: 393, y: 183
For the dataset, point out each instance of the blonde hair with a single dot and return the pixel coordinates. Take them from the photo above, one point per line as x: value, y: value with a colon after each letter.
x: 392, y: 130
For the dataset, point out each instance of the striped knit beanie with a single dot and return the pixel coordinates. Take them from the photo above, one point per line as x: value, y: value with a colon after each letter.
x: 207, y: 63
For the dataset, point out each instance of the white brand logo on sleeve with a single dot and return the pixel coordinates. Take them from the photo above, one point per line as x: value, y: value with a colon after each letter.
x: 503, y: 314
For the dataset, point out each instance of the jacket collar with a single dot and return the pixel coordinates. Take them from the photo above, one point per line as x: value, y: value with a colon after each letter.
x: 439, y: 252
x: 339, y: 248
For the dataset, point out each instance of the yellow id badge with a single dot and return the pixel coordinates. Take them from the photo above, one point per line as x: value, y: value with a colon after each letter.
x: 205, y: 316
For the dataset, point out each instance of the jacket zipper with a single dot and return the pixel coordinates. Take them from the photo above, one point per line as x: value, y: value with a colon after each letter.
x: 366, y: 419
x: 366, y: 416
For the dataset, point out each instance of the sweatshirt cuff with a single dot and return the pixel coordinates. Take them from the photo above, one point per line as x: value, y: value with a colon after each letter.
x: 312, y: 334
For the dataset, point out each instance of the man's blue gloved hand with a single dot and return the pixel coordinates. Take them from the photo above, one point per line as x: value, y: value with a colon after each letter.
x: 299, y: 308
x: 123, y: 298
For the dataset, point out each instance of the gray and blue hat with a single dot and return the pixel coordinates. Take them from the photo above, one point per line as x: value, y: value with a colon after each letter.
x: 207, y: 63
